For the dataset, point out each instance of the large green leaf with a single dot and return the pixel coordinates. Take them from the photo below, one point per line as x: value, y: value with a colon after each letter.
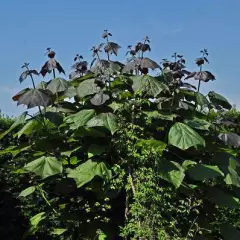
x: 19, y: 121
x: 151, y: 145
x: 201, y: 99
x: 200, y: 172
x: 107, y: 120
x: 222, y: 198
x: 219, y: 100
x: 198, y: 123
x: 36, y: 219
x: 88, y: 170
x: 31, y: 127
x: 87, y: 87
x: 15, y: 150
x: 76, y: 81
x: 171, y: 171
x: 229, y: 232
x: 184, y: 137
x: 44, y: 167
x: 232, y: 177
x: 80, y: 119
x: 58, y: 85
x: 27, y: 191
x: 150, y: 85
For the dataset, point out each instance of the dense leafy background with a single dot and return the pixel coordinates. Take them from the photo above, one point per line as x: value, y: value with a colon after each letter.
x: 138, y: 153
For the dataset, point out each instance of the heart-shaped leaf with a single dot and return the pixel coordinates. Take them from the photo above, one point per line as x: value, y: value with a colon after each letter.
x: 44, y: 167
x: 184, y: 137
x: 219, y: 100
x: 149, y: 85
x: 36, y: 97
x: 80, y: 119
x: 58, y: 85
x: 171, y: 171
x: 88, y: 170
x: 107, y: 120
x: 87, y: 87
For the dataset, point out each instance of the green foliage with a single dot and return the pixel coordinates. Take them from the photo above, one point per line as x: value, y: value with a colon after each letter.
x: 132, y: 155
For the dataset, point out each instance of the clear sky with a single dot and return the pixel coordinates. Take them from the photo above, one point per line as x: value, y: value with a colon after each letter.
x: 28, y: 27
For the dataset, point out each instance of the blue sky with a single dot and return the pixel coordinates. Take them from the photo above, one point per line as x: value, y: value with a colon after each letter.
x: 28, y: 27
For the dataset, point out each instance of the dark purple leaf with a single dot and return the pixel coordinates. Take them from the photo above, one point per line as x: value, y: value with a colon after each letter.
x: 231, y: 139
x: 18, y: 95
x: 51, y: 54
x: 75, y: 74
x: 204, y: 76
x: 206, y: 59
x: 59, y: 68
x: 93, y: 62
x: 36, y: 97
x: 105, y: 34
x: 112, y: 48
x: 142, y: 47
x: 35, y: 72
x: 140, y: 63
x: 25, y: 65
x: 23, y: 76
x: 200, y: 61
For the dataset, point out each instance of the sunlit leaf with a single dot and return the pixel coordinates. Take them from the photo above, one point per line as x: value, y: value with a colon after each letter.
x: 107, y: 120
x: 88, y: 170
x: 15, y: 150
x: 45, y: 167
x: 29, y: 128
x: 28, y: 191
x: 201, y: 99
x: 58, y: 231
x: 58, y: 85
x: 87, y: 87
x: 148, y: 84
x: 171, y: 172
x: 19, y: 121
x: 232, y: 177
x: 151, y: 145
x: 184, y: 137
x: 218, y: 99
x: 80, y: 119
